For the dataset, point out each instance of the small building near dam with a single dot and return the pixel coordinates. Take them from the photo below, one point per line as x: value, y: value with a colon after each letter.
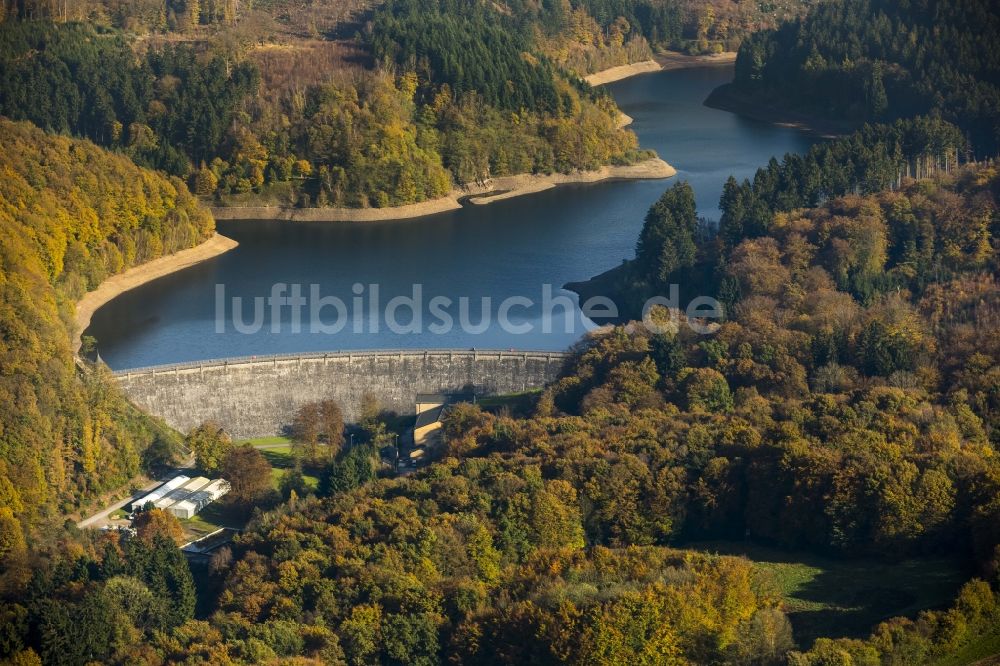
x: 429, y: 408
x: 184, y: 497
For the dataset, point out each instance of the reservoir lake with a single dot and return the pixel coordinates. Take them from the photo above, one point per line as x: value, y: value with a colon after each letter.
x: 524, y: 248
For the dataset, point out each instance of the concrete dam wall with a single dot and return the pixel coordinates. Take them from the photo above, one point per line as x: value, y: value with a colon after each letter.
x: 258, y: 396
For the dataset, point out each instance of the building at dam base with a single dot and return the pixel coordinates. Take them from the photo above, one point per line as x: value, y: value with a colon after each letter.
x: 183, y: 496
x: 258, y: 396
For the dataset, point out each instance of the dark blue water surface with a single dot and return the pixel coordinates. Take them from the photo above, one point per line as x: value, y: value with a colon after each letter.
x: 510, y: 248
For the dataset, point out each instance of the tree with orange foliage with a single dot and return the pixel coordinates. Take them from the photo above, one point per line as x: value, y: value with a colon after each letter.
x: 156, y: 523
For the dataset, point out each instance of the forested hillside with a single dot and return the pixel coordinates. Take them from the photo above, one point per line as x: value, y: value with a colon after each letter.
x: 584, y: 33
x: 311, y: 136
x: 676, y: 247
x: 495, y: 108
x: 467, y: 49
x: 71, y: 214
x: 821, y: 415
x: 360, y: 105
x: 691, y: 26
x: 846, y: 405
x: 884, y: 59
x: 166, y: 109
x: 834, y: 411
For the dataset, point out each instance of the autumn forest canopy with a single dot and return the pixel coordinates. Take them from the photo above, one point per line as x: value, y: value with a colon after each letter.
x: 453, y: 92
x: 844, y: 408
x: 360, y: 138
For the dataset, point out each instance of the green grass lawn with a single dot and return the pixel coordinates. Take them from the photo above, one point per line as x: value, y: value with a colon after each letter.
x: 311, y: 481
x: 211, y: 518
x: 276, y: 440
x: 197, y: 527
x: 280, y: 455
x: 837, y: 598
x: 987, y: 645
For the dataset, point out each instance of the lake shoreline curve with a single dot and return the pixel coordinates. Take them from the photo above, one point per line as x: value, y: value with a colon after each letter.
x: 671, y: 60
x: 619, y: 72
x: 665, y: 61
x: 137, y: 276
x: 496, y: 189
x: 728, y: 97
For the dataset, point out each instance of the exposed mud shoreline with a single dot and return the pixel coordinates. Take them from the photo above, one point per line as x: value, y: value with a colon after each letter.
x: 513, y: 186
x: 504, y: 187
x: 673, y: 60
x: 622, y: 72
x: 139, y: 275
x: 663, y: 61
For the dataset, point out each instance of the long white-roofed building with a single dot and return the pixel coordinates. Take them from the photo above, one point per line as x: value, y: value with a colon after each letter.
x: 199, y: 499
x: 181, y: 493
x: 167, y: 487
x: 183, y: 496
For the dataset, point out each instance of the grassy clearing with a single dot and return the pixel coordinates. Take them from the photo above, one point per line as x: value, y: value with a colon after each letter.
x: 214, y: 516
x: 278, y: 452
x: 280, y: 455
x: 985, y: 651
x: 276, y: 440
x: 199, y: 526
x: 312, y: 482
x: 846, y: 598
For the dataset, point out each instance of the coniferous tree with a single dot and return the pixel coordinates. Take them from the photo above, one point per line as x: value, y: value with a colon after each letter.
x: 667, y: 241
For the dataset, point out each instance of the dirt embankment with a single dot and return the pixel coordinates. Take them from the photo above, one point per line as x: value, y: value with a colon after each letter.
x: 497, y: 189
x: 622, y: 72
x: 665, y: 60
x: 514, y: 186
x: 674, y: 60
x: 138, y: 275
x: 441, y: 205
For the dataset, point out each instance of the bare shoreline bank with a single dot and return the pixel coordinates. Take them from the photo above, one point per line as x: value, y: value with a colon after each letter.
x: 622, y: 72
x: 668, y: 60
x: 291, y: 214
x: 504, y: 187
x: 514, y: 186
x: 138, y: 275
